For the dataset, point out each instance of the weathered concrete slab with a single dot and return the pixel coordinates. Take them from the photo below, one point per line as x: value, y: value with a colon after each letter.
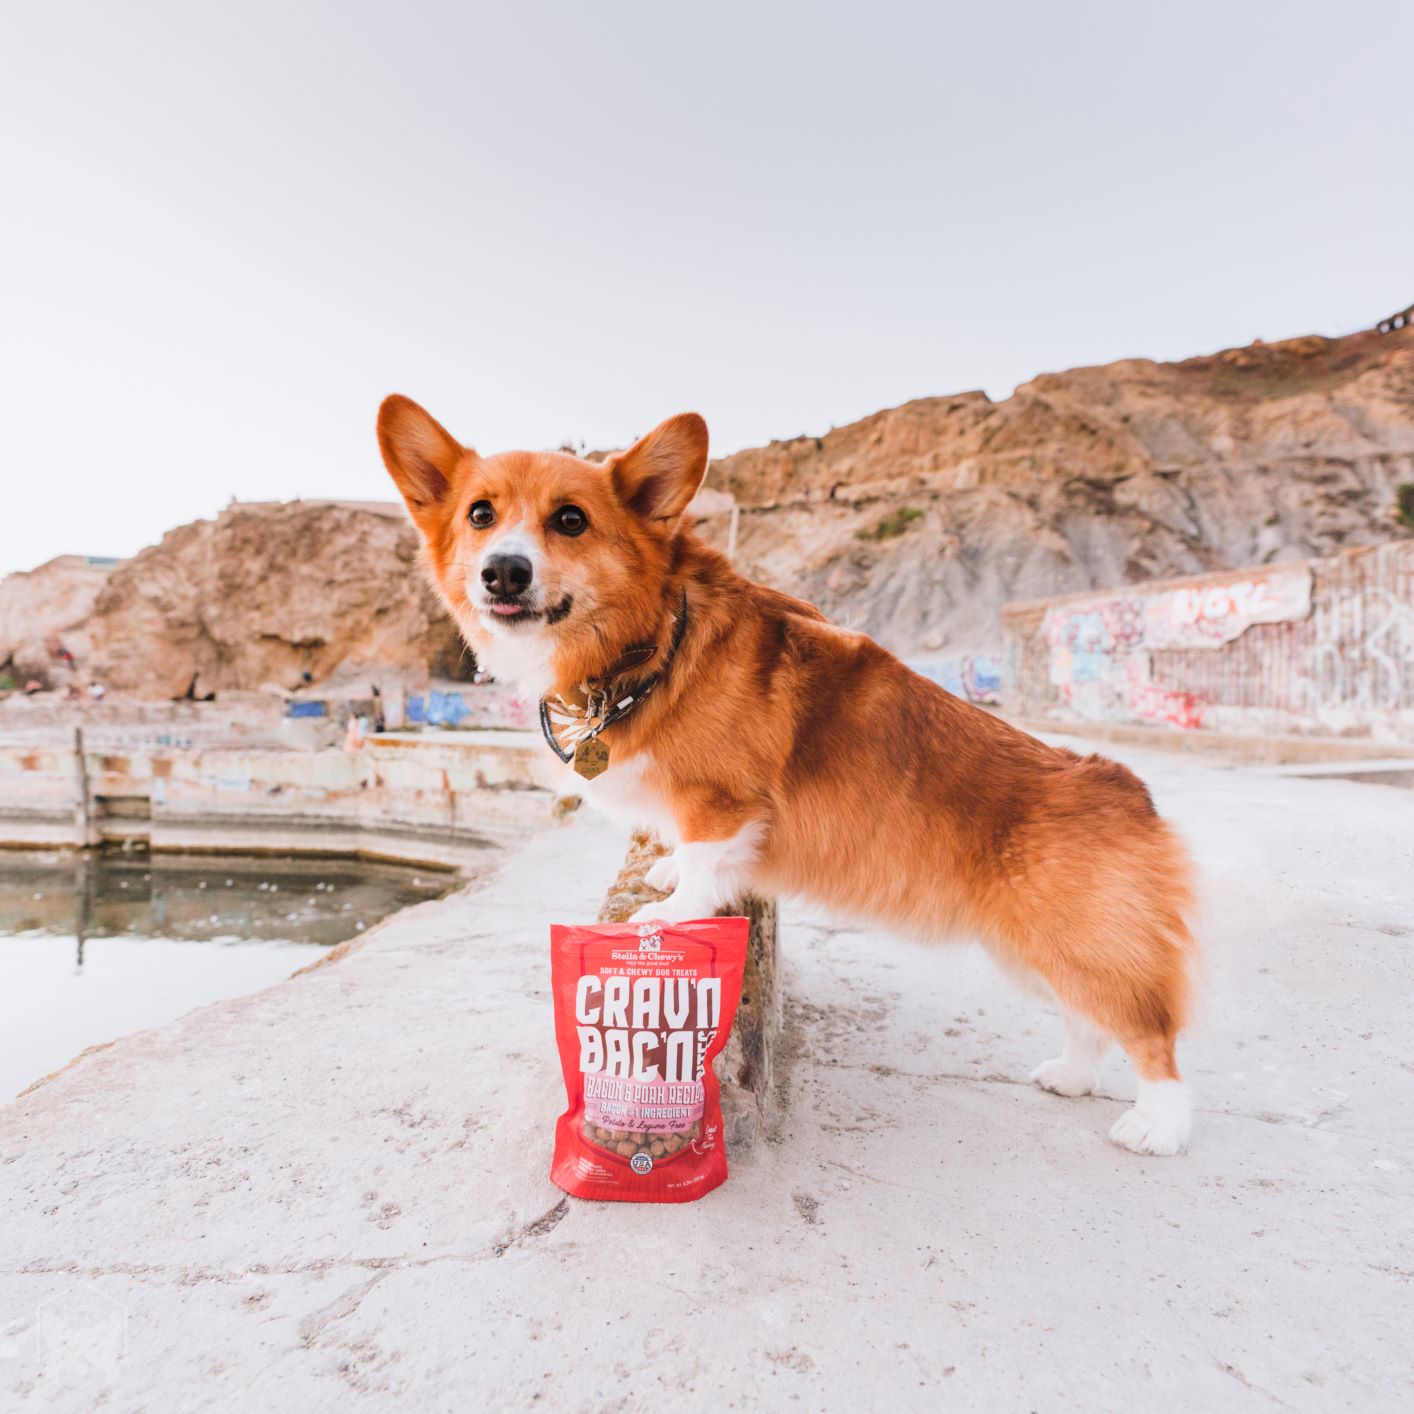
x: 333, y: 1195
x: 434, y: 800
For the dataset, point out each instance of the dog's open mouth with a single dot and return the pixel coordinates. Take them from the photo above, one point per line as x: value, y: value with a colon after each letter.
x: 516, y: 611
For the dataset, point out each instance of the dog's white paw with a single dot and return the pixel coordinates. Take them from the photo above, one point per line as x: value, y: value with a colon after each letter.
x: 676, y: 908
x: 1160, y: 1121
x: 1060, y: 1077
x: 663, y: 874
x: 1140, y: 1135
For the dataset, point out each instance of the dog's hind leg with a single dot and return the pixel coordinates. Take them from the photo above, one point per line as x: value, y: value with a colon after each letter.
x: 1141, y: 1006
x: 1162, y: 1117
x: 1122, y: 973
x: 1074, y: 1071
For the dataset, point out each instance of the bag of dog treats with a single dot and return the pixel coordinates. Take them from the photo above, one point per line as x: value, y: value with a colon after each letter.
x: 641, y: 1012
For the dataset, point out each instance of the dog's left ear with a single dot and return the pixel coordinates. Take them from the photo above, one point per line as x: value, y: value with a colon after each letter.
x: 661, y: 472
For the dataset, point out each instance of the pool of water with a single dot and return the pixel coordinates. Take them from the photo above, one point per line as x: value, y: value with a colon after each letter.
x: 96, y: 946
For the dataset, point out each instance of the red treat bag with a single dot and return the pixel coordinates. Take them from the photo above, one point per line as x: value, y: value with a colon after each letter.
x: 641, y: 1012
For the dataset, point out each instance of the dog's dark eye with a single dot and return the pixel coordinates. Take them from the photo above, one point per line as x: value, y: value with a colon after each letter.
x: 483, y: 515
x: 570, y: 520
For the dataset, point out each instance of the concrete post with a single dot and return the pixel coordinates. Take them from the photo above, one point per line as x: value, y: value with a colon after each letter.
x: 85, y: 829
x: 745, y: 1067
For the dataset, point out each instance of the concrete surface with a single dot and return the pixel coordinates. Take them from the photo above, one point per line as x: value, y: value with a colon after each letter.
x: 332, y: 1194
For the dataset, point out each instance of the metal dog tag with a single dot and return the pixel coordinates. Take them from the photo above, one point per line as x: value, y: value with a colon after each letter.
x: 591, y: 758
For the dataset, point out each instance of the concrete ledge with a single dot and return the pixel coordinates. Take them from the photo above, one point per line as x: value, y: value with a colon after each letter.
x: 425, y: 802
x: 1233, y: 748
x: 392, y: 842
x: 745, y: 1067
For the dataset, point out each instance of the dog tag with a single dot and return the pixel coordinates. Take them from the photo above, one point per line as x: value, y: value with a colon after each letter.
x: 591, y: 758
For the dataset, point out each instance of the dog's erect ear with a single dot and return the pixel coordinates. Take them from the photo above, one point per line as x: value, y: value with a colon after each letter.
x: 419, y: 453
x: 661, y: 472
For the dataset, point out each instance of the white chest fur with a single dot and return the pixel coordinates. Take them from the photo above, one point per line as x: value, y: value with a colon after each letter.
x: 624, y: 793
x: 520, y: 658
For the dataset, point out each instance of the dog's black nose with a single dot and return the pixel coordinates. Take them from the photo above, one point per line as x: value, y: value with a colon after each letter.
x: 507, y: 574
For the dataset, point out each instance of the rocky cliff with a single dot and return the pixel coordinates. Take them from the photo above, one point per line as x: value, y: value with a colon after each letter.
x: 264, y: 593
x: 50, y: 604
x: 946, y: 508
x: 916, y: 524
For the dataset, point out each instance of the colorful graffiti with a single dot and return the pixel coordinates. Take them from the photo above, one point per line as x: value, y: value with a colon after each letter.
x: 445, y: 709
x: 1207, y: 616
x: 489, y: 706
x: 1325, y: 647
x: 1362, y: 660
x: 973, y: 677
x: 1099, y: 647
x: 1189, y: 616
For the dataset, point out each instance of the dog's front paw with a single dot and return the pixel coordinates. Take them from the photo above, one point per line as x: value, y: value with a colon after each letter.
x: 678, y: 907
x: 1062, y: 1078
x: 663, y: 874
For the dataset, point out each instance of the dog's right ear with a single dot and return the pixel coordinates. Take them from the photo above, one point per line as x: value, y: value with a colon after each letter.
x: 420, y: 455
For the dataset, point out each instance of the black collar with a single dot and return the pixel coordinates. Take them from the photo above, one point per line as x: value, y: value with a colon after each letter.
x: 605, y: 706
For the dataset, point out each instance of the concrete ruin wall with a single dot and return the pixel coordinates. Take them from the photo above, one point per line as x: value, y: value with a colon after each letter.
x: 427, y: 802
x: 1323, y: 647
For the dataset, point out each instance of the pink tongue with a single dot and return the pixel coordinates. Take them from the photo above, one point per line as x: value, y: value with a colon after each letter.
x: 505, y: 608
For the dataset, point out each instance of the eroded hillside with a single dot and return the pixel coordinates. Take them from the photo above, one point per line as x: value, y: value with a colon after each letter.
x: 946, y: 508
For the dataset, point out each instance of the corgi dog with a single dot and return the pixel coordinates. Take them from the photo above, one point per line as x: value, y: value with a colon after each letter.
x: 780, y: 753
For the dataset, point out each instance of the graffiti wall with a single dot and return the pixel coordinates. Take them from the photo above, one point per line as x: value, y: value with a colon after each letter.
x: 486, y: 705
x: 976, y: 677
x: 1321, y: 647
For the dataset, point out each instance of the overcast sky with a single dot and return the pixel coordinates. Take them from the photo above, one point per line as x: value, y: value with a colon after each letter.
x: 229, y: 230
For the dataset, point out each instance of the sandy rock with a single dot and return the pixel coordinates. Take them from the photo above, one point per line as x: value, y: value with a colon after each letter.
x: 265, y: 592
x: 54, y: 599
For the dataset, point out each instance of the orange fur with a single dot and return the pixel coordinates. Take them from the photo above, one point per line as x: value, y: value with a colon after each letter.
x: 876, y: 792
